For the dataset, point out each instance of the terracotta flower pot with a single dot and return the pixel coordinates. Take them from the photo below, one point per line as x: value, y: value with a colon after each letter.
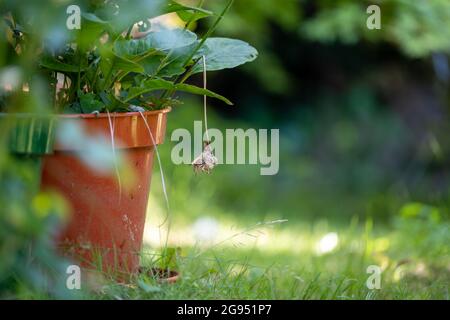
x: 106, y: 224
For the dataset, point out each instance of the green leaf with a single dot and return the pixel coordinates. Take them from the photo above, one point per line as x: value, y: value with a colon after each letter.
x: 126, y: 65
x: 173, y: 68
x: 167, y: 65
x: 72, y: 108
x: 155, y: 42
x: 89, y: 103
x: 224, y: 53
x: 189, y: 13
x: 121, y: 14
x: 167, y: 39
x: 157, y: 66
x: 174, y: 6
x: 54, y: 64
x: 148, y: 86
x: 160, y: 84
x: 128, y: 12
x: 92, y: 27
x: 133, y: 48
x: 200, y: 91
x: 189, y: 16
x: 92, y: 18
x: 111, y: 62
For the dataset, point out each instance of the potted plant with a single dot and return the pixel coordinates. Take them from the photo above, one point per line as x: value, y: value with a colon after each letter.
x: 117, y: 81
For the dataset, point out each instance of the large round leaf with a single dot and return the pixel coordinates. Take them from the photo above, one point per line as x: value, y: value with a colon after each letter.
x: 224, y: 53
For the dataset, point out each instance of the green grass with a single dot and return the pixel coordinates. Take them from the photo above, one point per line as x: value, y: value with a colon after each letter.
x: 286, y: 264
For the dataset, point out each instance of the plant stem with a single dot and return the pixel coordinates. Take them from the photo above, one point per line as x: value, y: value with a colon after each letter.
x: 130, y: 29
x: 79, y: 72
x: 55, y: 102
x: 189, y: 72
x: 200, y: 44
x: 209, y: 32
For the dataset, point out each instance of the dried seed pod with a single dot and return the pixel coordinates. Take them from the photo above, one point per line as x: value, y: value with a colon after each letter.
x: 206, y: 161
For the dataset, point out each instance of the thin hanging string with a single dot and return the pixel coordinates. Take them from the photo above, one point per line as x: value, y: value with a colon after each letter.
x: 163, y: 183
x: 113, y: 145
x: 204, y: 99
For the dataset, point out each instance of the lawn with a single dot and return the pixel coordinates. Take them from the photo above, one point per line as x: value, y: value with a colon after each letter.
x: 295, y: 261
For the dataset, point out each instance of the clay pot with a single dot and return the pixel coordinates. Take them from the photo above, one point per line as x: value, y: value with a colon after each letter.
x: 106, y: 223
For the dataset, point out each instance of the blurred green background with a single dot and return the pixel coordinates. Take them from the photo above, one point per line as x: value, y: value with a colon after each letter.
x: 363, y: 114
x: 364, y: 146
x: 364, y: 156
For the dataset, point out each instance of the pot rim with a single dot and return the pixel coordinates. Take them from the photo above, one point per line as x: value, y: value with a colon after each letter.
x: 172, y: 277
x: 85, y: 115
x: 113, y: 114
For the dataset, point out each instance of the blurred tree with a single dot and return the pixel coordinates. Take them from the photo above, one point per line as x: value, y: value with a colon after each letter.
x: 416, y: 29
x: 363, y: 113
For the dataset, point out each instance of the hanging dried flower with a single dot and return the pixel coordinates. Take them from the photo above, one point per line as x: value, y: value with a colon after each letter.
x: 206, y: 161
